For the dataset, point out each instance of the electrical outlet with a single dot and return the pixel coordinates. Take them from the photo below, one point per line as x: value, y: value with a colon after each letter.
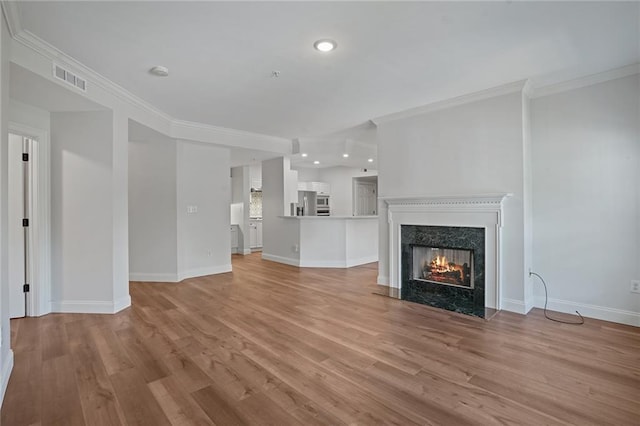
x: 635, y: 286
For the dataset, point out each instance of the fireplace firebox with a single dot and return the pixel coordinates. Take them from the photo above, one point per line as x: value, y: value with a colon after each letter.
x: 443, y: 265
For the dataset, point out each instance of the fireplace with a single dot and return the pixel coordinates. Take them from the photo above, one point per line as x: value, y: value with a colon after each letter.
x: 446, y: 266
x: 443, y: 266
x: 421, y: 229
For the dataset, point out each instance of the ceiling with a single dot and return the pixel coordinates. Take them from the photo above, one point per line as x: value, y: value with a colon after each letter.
x: 391, y: 56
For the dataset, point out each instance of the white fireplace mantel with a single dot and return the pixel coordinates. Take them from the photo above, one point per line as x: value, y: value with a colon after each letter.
x: 476, y: 211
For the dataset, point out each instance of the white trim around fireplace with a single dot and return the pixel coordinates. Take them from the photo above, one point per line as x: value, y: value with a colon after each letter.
x: 474, y: 211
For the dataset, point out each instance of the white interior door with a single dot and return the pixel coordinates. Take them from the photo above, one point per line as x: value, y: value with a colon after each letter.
x: 366, y: 199
x: 16, y: 231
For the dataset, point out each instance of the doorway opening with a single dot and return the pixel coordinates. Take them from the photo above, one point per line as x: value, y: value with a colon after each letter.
x: 28, y: 219
x: 365, y: 196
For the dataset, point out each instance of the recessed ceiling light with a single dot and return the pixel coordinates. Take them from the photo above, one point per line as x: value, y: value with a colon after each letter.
x: 160, y: 71
x: 370, y: 160
x: 304, y: 154
x: 345, y: 155
x: 316, y: 162
x: 325, y: 45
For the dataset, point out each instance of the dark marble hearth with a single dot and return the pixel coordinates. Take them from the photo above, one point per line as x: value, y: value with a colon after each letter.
x: 468, y: 301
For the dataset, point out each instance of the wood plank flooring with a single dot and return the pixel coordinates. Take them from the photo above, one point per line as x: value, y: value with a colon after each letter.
x: 271, y: 344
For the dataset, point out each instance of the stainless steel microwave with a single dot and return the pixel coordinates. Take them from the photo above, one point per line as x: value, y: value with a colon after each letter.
x: 322, y: 201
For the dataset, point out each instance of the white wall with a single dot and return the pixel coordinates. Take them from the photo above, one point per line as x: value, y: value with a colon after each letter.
x: 527, y: 206
x: 280, y: 237
x: 204, y: 239
x: 153, y: 238
x: 120, y: 206
x: 84, y: 197
x: 308, y: 174
x: 29, y: 115
x: 341, y: 181
x: 586, y: 198
x: 475, y: 148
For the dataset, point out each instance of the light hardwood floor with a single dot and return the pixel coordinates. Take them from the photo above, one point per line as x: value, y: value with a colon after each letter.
x: 275, y: 345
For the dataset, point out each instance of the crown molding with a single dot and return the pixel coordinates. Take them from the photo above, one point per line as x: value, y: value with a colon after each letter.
x: 182, y: 129
x: 588, y: 80
x: 524, y: 86
x: 55, y: 55
x: 12, y: 17
x: 517, y: 86
x: 178, y: 129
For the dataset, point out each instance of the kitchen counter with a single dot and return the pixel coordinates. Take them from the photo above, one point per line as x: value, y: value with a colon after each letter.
x: 327, y: 241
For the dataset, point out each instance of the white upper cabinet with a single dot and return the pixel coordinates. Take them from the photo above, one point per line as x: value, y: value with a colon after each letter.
x: 322, y: 188
x: 255, y: 176
x: 304, y: 186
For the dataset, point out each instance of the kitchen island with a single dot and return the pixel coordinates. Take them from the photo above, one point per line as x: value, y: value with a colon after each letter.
x: 327, y: 241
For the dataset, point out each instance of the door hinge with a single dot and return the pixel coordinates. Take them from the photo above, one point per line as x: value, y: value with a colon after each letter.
x: 25, y: 156
x: 25, y: 288
x: 25, y: 222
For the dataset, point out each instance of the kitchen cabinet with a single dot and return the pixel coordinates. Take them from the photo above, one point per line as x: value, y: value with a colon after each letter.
x: 304, y: 186
x: 256, y: 183
x: 321, y: 188
x: 255, y: 234
x: 234, y: 238
x: 255, y: 177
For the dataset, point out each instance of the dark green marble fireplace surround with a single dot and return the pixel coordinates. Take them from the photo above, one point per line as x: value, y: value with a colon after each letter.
x: 468, y: 301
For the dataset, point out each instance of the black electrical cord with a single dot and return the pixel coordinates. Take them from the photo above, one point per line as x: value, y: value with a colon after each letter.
x: 546, y: 299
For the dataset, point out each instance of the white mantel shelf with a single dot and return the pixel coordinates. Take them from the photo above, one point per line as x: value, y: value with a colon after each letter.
x: 491, y: 198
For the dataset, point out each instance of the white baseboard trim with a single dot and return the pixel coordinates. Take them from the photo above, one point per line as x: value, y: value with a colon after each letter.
x: 280, y: 259
x: 513, y: 305
x: 322, y: 264
x: 158, y: 278
x: 529, y: 304
x: 243, y: 252
x: 348, y: 263
x: 90, y: 306
x: 121, y: 304
x: 591, y: 311
x: 7, y: 367
x: 362, y: 260
x: 383, y: 280
x: 201, y: 272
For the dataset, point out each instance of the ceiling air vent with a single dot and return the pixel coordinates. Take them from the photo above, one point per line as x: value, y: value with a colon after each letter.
x: 69, y: 78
